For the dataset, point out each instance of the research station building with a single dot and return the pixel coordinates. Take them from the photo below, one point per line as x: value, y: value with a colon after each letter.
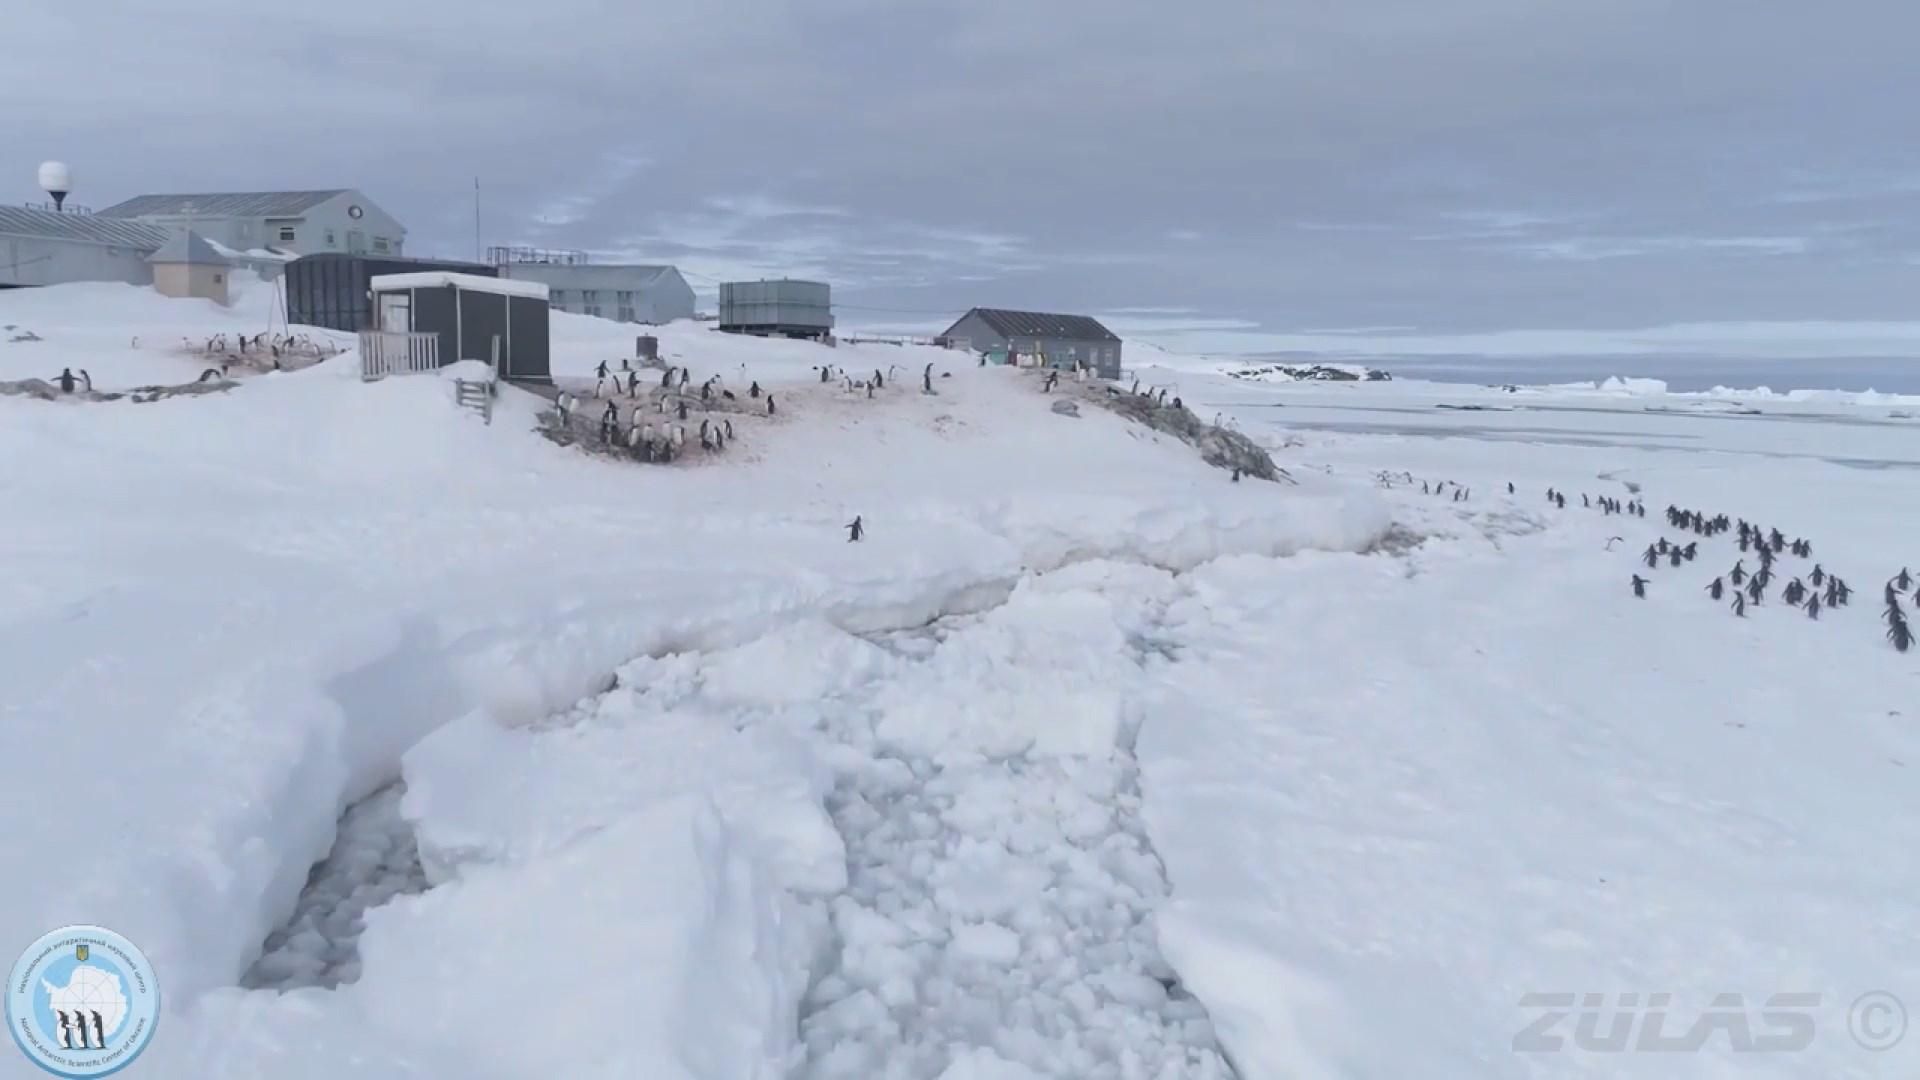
x: 1060, y: 341
x: 300, y: 222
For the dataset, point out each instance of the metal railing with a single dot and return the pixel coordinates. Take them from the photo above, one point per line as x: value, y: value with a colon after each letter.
x: 383, y: 354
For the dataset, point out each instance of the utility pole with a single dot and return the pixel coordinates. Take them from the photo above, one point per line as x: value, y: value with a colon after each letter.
x: 476, y: 219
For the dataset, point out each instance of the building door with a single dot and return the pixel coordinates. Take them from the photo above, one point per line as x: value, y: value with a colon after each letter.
x: 356, y: 240
x: 396, y: 313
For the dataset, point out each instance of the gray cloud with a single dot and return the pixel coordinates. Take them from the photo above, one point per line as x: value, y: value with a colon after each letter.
x: 1265, y: 165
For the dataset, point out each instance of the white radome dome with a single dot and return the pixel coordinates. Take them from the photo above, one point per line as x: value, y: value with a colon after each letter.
x: 55, y: 176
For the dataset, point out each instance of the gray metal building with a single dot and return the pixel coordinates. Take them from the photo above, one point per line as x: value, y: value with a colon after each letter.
x: 302, y: 222
x: 41, y: 247
x: 1062, y: 341
x: 783, y: 308
x: 623, y: 292
x: 472, y: 316
x: 331, y: 289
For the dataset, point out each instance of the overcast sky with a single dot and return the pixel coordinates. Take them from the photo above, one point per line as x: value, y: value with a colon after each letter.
x: 1253, y: 166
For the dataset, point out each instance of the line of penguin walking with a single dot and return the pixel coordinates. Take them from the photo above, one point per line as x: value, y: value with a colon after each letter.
x: 1814, y: 591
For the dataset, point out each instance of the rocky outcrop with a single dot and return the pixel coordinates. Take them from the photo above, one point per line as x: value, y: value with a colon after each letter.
x: 139, y: 395
x: 1219, y: 447
x: 1311, y: 373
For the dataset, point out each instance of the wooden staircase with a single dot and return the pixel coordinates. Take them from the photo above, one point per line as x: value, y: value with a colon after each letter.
x: 476, y: 395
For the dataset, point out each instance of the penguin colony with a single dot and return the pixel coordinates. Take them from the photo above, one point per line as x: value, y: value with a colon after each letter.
x: 657, y: 424
x: 1812, y: 591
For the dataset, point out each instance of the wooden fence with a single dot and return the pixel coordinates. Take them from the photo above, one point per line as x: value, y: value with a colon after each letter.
x: 383, y: 354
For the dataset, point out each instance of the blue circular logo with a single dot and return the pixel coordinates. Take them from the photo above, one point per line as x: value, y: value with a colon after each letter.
x: 82, y: 1001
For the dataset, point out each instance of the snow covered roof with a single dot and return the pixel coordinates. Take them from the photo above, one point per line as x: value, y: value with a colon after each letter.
x: 261, y: 253
x: 436, y: 279
x: 1040, y: 324
x: 224, y: 204
x: 187, y: 247
x: 89, y: 228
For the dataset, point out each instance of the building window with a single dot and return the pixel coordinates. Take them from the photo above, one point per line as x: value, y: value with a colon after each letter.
x: 558, y: 296
x: 593, y: 310
x: 626, y: 296
x: 217, y: 279
x: 626, y: 315
x: 380, y: 243
x: 286, y: 234
x: 591, y: 296
x: 329, y: 236
x: 556, y: 304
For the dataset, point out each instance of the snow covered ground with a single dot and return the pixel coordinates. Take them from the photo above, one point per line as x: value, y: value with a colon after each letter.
x: 1086, y: 762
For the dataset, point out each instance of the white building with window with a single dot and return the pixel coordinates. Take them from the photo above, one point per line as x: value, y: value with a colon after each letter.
x: 300, y: 222
x: 621, y: 292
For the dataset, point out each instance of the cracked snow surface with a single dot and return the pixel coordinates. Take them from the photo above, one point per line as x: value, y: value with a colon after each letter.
x: 997, y: 920
x: 932, y: 835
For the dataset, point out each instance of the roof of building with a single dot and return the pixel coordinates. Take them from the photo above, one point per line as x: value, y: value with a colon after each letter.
x: 224, y: 204
x: 87, y: 228
x: 438, y: 279
x: 189, y: 248
x: 1040, y: 324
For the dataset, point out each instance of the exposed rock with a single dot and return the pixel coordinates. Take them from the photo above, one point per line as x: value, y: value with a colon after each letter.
x: 1066, y: 407
x: 139, y: 395
x: 1218, y: 447
x: 1312, y: 373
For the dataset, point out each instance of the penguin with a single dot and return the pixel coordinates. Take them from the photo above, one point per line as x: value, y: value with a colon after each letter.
x: 1650, y: 557
x: 1716, y: 589
x: 64, y: 1036
x: 1905, y: 580
x: 99, y: 1031
x: 1691, y: 550
x: 601, y: 371
x: 1424, y: 489
x: 1900, y: 634
x: 1639, y: 586
x: 1584, y: 503
x: 1560, y: 501
x: 1813, y: 607
x: 1661, y: 546
x: 1740, y: 605
x: 1509, y: 487
x: 1818, y: 576
x: 855, y: 530
x: 729, y: 427
x: 1674, y: 556
x: 1236, y: 475
x: 683, y: 408
x: 754, y: 391
x: 770, y: 409
x: 1756, y: 590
